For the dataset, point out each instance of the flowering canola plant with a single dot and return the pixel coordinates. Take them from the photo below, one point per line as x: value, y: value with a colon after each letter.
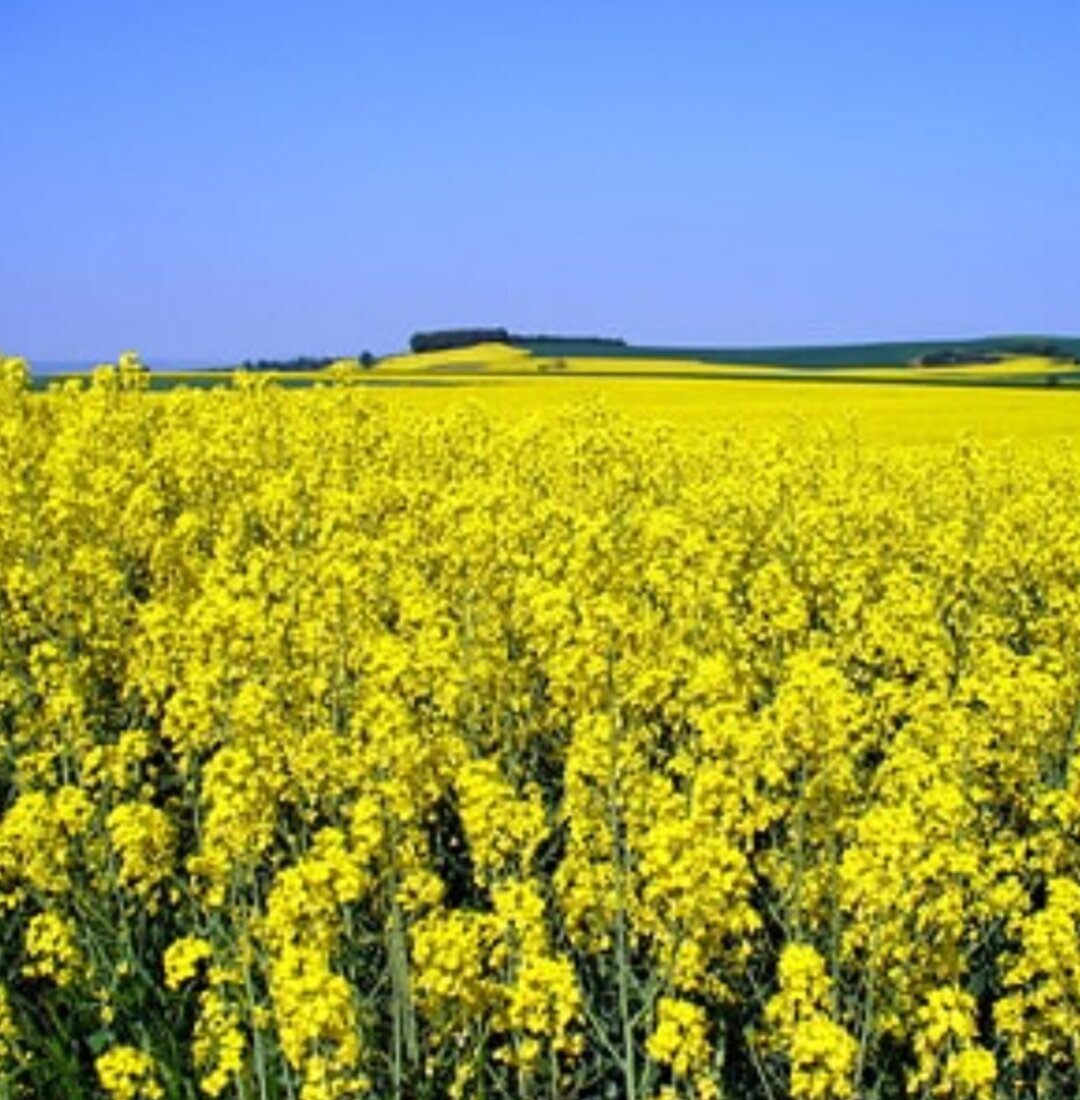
x: 354, y: 752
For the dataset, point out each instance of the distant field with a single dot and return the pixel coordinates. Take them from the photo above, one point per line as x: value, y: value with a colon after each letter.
x: 814, y: 356
x: 907, y: 414
x: 498, y: 360
x: 1019, y: 398
x: 482, y: 362
x: 900, y: 412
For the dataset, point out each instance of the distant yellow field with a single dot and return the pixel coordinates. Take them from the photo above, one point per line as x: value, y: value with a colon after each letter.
x: 484, y: 357
x: 893, y: 413
x: 500, y: 360
x: 876, y: 402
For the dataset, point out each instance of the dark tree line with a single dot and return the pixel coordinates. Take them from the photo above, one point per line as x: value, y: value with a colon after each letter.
x: 451, y: 338
x: 303, y: 363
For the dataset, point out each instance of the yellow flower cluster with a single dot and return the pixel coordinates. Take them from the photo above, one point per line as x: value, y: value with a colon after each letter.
x: 355, y: 751
x: 950, y: 1063
x: 37, y: 835
x: 821, y: 1053
x: 51, y: 949
x: 143, y: 838
x: 127, y: 1073
x: 680, y: 1038
x: 182, y: 958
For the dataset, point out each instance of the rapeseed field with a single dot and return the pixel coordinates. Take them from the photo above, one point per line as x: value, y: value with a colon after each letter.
x: 516, y: 742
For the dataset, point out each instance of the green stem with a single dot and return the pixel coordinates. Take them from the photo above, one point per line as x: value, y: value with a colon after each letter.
x: 619, y: 859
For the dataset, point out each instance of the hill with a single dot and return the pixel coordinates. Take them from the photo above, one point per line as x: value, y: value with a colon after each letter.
x: 883, y: 354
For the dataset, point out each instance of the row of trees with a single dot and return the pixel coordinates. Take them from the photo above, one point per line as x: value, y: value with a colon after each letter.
x: 449, y: 339
x: 304, y: 363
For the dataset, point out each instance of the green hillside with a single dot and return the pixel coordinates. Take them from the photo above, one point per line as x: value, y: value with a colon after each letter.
x: 887, y: 354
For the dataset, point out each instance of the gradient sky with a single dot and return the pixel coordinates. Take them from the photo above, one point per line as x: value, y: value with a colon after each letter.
x: 227, y: 180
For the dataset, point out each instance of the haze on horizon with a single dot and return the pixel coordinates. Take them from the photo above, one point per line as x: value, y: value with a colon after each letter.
x: 219, y: 182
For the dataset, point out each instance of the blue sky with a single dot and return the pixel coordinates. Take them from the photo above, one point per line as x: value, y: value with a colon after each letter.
x: 224, y: 180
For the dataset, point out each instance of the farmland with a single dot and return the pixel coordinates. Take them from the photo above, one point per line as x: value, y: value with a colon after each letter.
x: 1008, y: 361
x: 511, y: 732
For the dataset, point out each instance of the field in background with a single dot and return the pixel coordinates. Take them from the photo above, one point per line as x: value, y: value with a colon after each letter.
x: 499, y: 360
x: 489, y: 361
x: 902, y: 414
x: 1008, y: 400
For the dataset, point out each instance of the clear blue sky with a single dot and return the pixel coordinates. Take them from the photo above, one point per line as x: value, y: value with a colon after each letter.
x: 222, y: 180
